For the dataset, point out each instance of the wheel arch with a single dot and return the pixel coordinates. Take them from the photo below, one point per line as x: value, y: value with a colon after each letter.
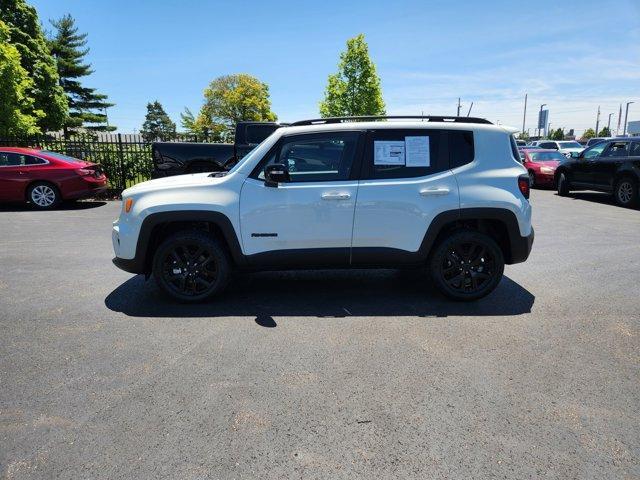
x: 33, y: 182
x: 499, y: 223
x: 158, y: 226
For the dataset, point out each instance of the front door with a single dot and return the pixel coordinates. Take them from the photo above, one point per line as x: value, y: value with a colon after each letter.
x: 308, y: 220
x: 406, y: 182
x: 582, y: 168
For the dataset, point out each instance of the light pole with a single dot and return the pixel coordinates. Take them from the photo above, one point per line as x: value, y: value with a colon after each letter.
x: 609, y: 123
x: 524, y: 116
x: 626, y: 114
x: 598, y: 120
x: 539, y: 118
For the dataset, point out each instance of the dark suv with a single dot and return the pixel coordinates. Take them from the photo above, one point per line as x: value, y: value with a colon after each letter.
x: 612, y: 166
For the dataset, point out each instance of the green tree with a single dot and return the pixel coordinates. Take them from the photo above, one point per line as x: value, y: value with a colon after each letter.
x: 589, y: 133
x: 87, y: 108
x: 202, y: 126
x: 605, y: 132
x: 157, y: 124
x: 17, y: 113
x: 523, y: 136
x: 557, y: 134
x: 234, y: 98
x: 25, y: 33
x: 355, y: 88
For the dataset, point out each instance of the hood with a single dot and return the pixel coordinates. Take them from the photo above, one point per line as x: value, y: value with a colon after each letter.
x: 177, y: 181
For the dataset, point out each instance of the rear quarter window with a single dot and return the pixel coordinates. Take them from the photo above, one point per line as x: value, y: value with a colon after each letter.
x: 461, y: 148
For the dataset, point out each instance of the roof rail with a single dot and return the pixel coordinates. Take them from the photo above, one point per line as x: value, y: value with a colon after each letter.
x: 424, y: 118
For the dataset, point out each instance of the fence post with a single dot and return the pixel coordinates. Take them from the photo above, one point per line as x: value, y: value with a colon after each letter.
x: 123, y: 176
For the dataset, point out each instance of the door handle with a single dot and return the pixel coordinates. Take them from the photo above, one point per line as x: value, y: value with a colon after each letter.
x: 432, y: 192
x: 336, y: 196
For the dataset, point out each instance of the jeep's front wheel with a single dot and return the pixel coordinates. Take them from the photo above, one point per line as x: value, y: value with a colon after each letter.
x: 467, y: 265
x: 191, y: 266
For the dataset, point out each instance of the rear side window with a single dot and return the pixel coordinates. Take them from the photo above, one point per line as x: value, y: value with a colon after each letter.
x: 405, y: 153
x: 461, y: 149
x: 10, y: 159
x: 635, y: 149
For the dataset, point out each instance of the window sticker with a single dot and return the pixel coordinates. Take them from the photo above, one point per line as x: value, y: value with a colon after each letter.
x: 388, y: 152
x: 417, y: 152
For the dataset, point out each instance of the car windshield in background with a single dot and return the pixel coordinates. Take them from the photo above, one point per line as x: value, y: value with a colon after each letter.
x: 570, y: 145
x: 60, y: 156
x: 546, y: 156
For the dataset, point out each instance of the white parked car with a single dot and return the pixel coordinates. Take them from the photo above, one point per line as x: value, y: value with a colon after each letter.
x: 565, y: 147
x: 446, y: 194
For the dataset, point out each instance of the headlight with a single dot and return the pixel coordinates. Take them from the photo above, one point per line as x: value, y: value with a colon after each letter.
x: 547, y: 170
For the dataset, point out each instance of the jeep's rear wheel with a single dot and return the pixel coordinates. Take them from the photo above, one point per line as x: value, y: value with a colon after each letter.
x: 467, y: 265
x: 626, y: 192
x: 191, y: 266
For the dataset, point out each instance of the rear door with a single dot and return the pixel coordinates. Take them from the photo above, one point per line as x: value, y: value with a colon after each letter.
x: 13, y: 176
x: 406, y: 181
x: 608, y: 163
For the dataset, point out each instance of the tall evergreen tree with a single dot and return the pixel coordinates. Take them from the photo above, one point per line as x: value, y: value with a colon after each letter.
x: 157, y: 124
x: 87, y: 107
x: 355, y: 88
x: 17, y: 113
x: 25, y: 34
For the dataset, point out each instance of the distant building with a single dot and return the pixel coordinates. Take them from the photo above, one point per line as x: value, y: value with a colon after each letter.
x: 633, y: 128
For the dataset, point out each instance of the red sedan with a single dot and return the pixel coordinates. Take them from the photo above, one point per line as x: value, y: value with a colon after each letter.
x: 46, y: 178
x: 541, y: 165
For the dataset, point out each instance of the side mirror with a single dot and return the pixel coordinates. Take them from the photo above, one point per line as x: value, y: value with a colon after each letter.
x: 276, y: 173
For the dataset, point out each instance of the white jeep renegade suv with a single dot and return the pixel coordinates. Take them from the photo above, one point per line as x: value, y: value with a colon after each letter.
x: 446, y: 193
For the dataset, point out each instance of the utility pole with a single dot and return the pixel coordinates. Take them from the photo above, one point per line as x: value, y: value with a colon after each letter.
x: 470, y: 107
x: 609, y: 123
x: 524, y: 117
x: 598, y: 120
x: 626, y: 114
x: 458, y: 107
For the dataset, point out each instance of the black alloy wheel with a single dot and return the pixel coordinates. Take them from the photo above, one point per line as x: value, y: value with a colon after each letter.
x: 626, y: 192
x: 191, y: 266
x: 467, y: 265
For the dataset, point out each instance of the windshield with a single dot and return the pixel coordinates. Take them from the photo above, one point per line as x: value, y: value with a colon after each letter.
x: 570, y: 145
x: 60, y: 156
x: 546, y: 156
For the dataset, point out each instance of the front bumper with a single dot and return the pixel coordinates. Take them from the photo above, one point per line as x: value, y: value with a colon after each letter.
x: 521, y: 248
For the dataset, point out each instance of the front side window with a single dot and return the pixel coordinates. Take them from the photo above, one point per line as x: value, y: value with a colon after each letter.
x: 405, y: 153
x: 315, y: 157
x: 617, y: 149
x: 635, y: 149
x: 594, y: 151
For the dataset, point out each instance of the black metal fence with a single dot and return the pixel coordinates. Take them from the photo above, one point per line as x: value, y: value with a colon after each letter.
x: 125, y: 158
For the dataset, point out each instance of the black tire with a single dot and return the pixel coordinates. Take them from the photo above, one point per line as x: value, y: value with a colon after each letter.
x: 563, y: 185
x: 191, y: 266
x: 466, y: 265
x: 532, y: 179
x: 43, y: 195
x: 625, y: 192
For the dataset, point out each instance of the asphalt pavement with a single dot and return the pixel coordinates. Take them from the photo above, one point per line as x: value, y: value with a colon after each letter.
x: 340, y: 374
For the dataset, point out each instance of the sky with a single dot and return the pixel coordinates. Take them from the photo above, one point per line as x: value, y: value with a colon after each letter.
x: 571, y: 55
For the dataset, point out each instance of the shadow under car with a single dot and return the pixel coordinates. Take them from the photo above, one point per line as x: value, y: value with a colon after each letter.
x: 321, y: 293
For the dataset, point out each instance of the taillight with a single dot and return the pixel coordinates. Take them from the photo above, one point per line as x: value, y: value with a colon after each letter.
x: 84, y: 172
x: 523, y: 185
